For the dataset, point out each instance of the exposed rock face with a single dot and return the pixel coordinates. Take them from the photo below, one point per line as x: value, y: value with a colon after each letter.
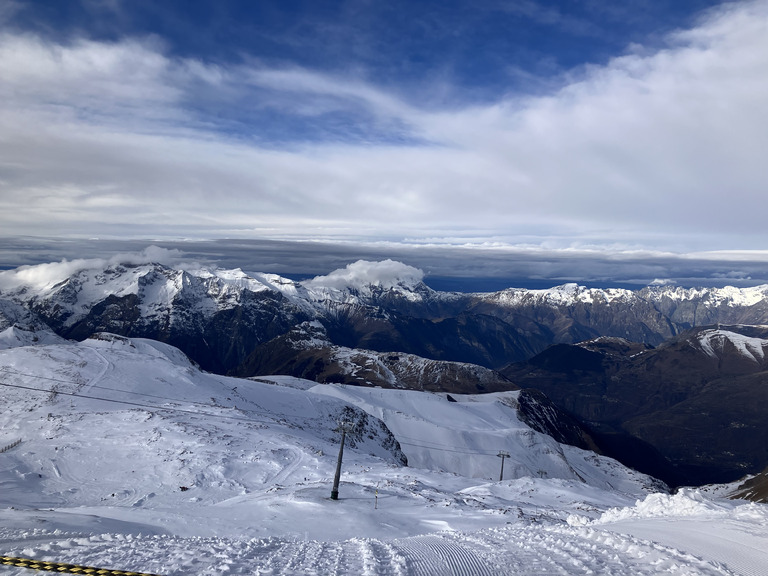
x: 542, y: 415
x: 691, y: 410
x: 307, y: 352
x: 754, y: 488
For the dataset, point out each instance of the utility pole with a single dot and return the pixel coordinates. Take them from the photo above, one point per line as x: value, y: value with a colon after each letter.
x: 335, y: 490
x: 502, y: 454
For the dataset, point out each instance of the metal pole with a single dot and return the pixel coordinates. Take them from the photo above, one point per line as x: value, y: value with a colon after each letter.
x: 337, y: 477
x: 502, y: 454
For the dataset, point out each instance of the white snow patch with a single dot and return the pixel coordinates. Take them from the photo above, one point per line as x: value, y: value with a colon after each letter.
x: 712, y: 341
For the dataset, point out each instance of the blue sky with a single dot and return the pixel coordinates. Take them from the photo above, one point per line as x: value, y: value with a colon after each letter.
x: 614, y: 133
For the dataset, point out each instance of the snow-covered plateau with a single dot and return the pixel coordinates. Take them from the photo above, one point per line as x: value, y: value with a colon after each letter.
x: 131, y: 458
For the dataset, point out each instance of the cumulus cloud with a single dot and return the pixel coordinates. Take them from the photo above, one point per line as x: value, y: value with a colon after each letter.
x: 122, y: 139
x: 363, y: 273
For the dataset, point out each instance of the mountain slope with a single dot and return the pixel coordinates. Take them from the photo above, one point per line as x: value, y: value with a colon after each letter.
x: 691, y: 410
x: 131, y: 458
x: 131, y: 425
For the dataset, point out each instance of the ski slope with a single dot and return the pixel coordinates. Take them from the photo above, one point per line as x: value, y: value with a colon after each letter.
x: 131, y: 458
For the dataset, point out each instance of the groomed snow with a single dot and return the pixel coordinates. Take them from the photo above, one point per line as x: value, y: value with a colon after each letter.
x: 133, y: 459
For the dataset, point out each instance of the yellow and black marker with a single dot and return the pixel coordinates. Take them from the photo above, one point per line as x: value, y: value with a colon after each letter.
x: 65, y: 568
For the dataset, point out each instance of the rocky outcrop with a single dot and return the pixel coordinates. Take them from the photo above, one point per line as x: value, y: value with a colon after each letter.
x: 307, y: 352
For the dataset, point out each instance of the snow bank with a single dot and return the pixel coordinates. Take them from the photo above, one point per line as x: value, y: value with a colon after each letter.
x: 685, y: 502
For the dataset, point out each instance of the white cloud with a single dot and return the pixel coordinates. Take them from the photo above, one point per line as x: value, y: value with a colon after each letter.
x: 386, y: 274
x: 108, y: 138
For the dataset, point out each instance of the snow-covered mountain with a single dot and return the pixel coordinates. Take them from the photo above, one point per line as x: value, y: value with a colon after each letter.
x: 20, y: 327
x: 218, y: 317
x: 131, y: 458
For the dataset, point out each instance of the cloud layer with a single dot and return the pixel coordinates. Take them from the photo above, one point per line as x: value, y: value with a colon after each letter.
x: 658, y: 148
x: 460, y: 268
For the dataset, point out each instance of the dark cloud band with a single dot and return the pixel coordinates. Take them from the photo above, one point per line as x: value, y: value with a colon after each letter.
x: 445, y: 267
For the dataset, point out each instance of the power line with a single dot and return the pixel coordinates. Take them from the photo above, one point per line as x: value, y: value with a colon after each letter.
x: 424, y: 444
x: 233, y: 391
x: 139, y: 404
x: 444, y: 448
x: 145, y: 394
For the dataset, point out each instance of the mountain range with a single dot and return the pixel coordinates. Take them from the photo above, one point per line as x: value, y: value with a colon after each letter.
x: 666, y: 379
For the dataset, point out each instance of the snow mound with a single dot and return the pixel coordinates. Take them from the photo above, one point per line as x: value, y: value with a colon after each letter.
x: 685, y: 502
x: 150, y: 348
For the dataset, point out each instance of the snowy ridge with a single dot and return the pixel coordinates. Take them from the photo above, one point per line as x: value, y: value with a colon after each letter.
x: 464, y: 437
x: 728, y: 295
x: 564, y: 295
x: 16, y: 336
x: 570, y: 294
x: 404, y: 370
x: 19, y: 327
x: 712, y: 342
x: 156, y: 286
x: 388, y: 369
x: 75, y: 287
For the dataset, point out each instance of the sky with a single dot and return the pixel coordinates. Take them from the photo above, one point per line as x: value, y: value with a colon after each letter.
x: 583, y: 140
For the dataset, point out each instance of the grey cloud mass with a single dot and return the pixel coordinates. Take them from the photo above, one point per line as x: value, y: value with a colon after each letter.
x: 460, y: 268
x: 660, y: 150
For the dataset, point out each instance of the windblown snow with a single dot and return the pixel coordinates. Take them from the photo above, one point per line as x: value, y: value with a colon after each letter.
x: 131, y: 458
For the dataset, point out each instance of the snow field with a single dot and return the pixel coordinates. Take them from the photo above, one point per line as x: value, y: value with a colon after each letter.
x: 132, y: 459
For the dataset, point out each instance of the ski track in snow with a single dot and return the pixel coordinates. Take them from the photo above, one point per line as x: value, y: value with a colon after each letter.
x: 524, y: 550
x: 437, y: 554
x: 743, y: 552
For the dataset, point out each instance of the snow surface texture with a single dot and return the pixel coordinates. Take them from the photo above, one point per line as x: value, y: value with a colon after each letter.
x: 133, y: 459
